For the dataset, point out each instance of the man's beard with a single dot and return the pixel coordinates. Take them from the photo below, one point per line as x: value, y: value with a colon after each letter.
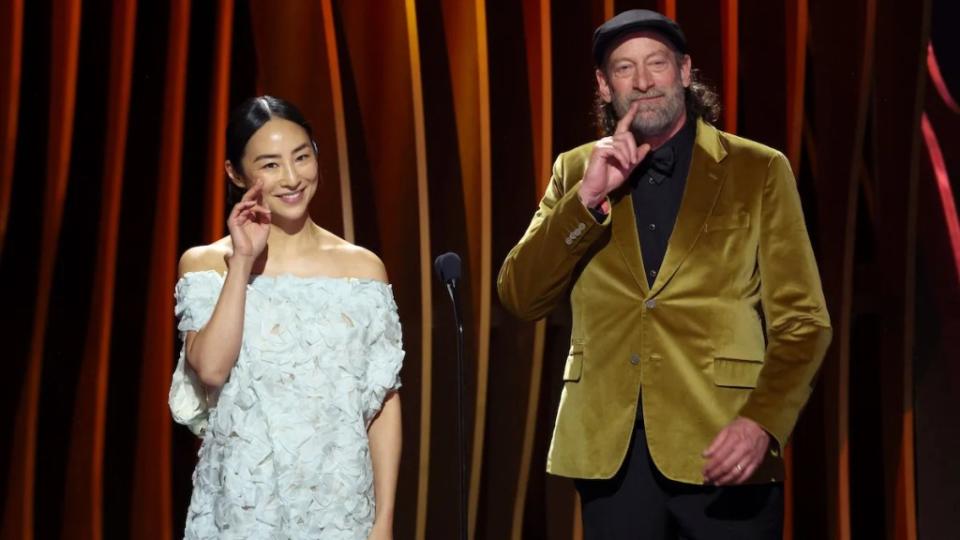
x: 654, y: 118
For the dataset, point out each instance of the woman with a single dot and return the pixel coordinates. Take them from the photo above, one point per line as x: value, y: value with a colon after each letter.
x: 291, y: 355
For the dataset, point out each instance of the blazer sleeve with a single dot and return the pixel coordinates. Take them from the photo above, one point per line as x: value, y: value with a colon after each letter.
x: 537, y: 271
x: 797, y: 324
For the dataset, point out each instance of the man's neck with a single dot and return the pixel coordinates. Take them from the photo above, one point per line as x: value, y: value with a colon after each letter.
x: 656, y: 141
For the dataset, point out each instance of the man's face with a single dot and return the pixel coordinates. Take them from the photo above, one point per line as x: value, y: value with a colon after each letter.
x: 643, y: 67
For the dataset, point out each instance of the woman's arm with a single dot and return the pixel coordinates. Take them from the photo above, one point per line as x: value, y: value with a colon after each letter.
x: 385, y: 444
x: 213, y: 350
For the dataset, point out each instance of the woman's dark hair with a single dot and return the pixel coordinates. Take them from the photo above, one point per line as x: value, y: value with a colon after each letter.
x: 250, y: 116
x: 701, y: 102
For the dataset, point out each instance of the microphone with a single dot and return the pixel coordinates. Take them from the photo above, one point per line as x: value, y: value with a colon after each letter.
x: 447, y: 266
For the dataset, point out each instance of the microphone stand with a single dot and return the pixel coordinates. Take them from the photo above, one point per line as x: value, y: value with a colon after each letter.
x: 461, y: 434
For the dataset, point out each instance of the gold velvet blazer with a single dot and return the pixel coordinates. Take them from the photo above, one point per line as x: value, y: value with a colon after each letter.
x: 693, y: 346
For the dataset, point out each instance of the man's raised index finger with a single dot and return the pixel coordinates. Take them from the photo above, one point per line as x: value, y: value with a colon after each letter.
x: 624, y: 124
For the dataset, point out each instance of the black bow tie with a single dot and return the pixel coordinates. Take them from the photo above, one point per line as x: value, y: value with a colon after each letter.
x: 660, y: 163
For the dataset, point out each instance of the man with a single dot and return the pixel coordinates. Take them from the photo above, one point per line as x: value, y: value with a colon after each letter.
x: 698, y: 317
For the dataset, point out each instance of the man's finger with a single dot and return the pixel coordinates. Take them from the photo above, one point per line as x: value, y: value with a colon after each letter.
x: 744, y: 475
x: 727, y: 478
x: 642, y: 152
x: 623, y: 125
x: 737, y: 473
x: 627, y: 150
x: 717, y: 465
x: 718, y: 440
x: 627, y: 139
x: 738, y: 455
x: 721, y: 458
x: 612, y: 155
x: 622, y: 159
x: 722, y: 469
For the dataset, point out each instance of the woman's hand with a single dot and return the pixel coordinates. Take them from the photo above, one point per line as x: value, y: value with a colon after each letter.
x: 249, y: 224
x: 380, y: 532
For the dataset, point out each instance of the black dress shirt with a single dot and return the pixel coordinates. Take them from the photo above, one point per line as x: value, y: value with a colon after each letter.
x: 658, y: 184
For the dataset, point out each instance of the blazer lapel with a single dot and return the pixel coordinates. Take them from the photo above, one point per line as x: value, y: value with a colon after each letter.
x: 625, y: 235
x: 700, y: 194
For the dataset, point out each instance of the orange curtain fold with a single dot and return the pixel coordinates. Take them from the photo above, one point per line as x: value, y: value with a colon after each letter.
x: 426, y: 294
x: 214, y: 202
x: 83, y: 506
x: 380, y: 85
x: 11, y: 30
x: 19, y: 511
x: 730, y: 47
x: 437, y: 124
x: 151, y: 510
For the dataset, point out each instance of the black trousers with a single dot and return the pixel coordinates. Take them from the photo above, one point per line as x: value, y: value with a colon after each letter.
x: 640, y: 503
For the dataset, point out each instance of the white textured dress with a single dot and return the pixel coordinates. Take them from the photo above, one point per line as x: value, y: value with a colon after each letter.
x: 285, y: 452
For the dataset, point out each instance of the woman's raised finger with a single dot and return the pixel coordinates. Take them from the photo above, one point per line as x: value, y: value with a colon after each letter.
x: 253, y: 192
x: 260, y: 212
x: 241, y: 207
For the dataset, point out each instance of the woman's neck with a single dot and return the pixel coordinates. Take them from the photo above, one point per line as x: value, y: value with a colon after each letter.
x: 289, y: 239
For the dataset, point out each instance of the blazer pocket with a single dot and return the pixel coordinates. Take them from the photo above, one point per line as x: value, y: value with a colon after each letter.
x: 736, y: 372
x: 574, y: 366
x: 739, y: 220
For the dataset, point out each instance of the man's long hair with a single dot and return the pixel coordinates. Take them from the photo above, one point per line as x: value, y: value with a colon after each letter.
x: 701, y: 102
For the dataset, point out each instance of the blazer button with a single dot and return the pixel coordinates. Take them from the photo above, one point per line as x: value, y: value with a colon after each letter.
x: 634, y: 359
x: 651, y: 303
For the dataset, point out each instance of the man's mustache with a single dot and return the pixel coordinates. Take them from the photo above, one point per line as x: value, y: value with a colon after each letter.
x: 636, y: 97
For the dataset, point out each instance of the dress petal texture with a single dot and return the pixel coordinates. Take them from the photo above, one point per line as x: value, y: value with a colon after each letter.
x: 285, y: 452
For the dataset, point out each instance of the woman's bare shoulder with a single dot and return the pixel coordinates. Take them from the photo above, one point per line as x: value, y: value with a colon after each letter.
x: 208, y: 257
x: 355, y: 261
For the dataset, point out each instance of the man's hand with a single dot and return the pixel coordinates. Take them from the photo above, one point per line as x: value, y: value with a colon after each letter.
x: 735, y: 453
x: 612, y: 160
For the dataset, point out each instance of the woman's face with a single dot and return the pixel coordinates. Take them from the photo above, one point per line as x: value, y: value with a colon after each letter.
x: 281, y: 155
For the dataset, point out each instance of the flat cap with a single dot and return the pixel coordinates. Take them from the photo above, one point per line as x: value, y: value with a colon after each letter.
x: 634, y: 20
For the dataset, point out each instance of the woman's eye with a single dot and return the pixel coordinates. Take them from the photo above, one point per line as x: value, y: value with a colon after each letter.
x: 303, y: 157
x: 271, y: 165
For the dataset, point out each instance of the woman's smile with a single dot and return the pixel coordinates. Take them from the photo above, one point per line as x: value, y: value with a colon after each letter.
x: 292, y: 197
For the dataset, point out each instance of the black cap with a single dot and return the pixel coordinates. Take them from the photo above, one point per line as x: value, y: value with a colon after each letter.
x: 635, y: 20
